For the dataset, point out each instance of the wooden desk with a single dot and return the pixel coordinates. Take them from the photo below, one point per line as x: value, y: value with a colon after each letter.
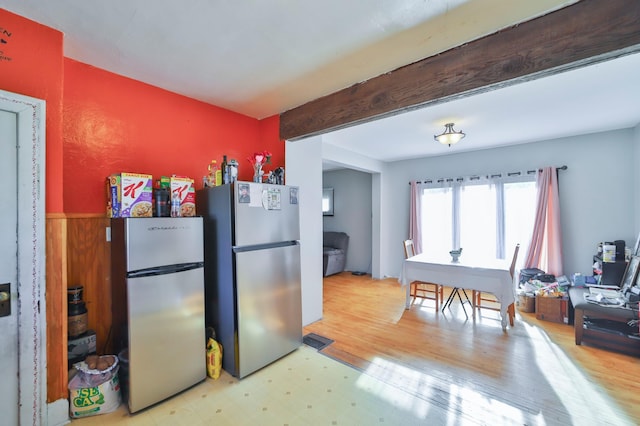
x: 490, y: 276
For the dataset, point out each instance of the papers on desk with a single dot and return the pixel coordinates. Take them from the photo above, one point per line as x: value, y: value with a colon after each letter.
x: 605, y: 297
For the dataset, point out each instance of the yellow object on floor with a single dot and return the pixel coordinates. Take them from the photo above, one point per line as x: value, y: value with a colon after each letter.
x: 214, y: 358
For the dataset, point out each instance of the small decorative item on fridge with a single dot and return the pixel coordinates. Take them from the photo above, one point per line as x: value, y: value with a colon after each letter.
x: 276, y: 177
x: 233, y: 171
x: 257, y: 160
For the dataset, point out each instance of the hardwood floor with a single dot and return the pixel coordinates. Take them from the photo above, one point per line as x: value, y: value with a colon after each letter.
x: 531, y: 374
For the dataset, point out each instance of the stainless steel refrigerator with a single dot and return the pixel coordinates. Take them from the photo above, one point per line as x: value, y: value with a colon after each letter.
x: 158, y: 305
x: 252, y: 272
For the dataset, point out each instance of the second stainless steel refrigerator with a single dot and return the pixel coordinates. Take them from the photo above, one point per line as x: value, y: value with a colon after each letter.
x: 252, y: 272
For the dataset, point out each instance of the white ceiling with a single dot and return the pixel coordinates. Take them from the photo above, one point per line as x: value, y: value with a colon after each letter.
x: 261, y: 58
x: 601, y: 97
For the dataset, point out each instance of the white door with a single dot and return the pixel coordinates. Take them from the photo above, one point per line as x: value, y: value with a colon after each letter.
x: 22, y: 260
x: 9, y: 268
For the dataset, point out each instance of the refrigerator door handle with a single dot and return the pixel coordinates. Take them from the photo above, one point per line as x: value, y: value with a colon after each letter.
x: 240, y: 249
x: 167, y: 269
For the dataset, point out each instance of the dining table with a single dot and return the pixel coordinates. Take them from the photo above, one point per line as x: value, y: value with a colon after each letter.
x: 485, y: 275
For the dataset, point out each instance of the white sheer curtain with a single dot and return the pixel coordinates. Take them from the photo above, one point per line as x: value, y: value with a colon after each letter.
x: 469, y: 212
x: 415, y: 232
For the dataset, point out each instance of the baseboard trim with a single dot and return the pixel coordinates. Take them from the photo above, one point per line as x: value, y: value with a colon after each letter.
x: 58, y: 413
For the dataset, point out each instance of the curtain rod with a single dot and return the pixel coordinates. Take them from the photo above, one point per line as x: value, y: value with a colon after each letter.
x: 564, y: 167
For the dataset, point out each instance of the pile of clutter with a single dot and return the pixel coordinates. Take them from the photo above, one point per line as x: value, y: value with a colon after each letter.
x: 535, y: 282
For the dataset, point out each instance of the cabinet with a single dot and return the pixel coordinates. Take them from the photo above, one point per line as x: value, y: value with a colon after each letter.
x: 610, y: 272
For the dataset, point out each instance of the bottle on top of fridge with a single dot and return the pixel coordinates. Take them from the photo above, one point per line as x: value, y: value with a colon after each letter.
x: 225, y: 170
x: 215, y: 177
x: 175, y: 205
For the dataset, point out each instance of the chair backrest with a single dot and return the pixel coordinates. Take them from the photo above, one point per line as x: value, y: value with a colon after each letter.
x: 333, y: 239
x: 512, y: 269
x: 409, y: 250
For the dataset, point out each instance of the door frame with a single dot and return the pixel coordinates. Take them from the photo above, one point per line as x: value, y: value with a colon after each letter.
x: 31, y: 285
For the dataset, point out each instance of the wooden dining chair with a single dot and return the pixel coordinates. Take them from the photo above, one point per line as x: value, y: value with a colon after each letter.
x: 488, y: 301
x: 422, y: 289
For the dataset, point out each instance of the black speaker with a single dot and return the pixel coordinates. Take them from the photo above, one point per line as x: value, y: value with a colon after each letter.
x: 620, y: 245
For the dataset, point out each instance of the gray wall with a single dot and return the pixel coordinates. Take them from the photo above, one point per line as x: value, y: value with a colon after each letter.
x: 352, y: 214
x: 597, y: 191
x: 597, y: 197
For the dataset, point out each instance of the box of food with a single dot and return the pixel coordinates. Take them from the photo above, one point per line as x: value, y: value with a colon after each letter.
x: 113, y: 196
x: 165, y: 182
x: 130, y: 195
x: 184, y: 187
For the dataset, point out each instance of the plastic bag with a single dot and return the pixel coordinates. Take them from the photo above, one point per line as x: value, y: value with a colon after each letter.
x: 214, y: 358
x: 93, y: 392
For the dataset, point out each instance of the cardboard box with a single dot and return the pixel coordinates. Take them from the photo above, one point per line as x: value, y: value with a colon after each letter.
x: 526, y: 303
x: 552, y: 309
x: 113, y: 196
x: 130, y: 195
x: 184, y: 187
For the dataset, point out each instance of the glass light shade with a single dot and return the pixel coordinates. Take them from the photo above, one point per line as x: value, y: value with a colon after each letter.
x: 450, y: 136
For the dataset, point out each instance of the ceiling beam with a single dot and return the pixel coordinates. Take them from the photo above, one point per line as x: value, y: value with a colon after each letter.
x: 580, y: 34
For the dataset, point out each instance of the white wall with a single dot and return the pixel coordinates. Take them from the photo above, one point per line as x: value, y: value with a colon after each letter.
x: 352, y: 214
x: 304, y: 169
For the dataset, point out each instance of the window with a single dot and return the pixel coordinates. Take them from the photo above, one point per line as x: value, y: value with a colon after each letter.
x: 327, y: 201
x: 487, y: 217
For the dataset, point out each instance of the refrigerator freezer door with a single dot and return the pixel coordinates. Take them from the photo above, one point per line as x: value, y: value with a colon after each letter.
x: 269, y: 306
x: 163, y: 241
x: 166, y: 336
x: 269, y: 214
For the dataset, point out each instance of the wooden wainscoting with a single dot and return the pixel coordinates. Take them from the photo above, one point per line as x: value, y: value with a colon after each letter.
x: 89, y: 264
x: 77, y: 254
x: 56, y: 305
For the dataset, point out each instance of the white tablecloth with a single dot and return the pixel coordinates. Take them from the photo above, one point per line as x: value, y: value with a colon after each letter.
x: 490, y: 276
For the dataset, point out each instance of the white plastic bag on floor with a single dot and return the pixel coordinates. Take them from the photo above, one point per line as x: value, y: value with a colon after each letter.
x: 93, y: 392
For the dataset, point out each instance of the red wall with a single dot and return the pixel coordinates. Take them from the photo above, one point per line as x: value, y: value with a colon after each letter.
x: 31, y: 63
x: 114, y: 124
x: 100, y: 123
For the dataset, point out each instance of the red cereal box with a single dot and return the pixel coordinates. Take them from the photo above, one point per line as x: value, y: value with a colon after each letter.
x: 187, y: 193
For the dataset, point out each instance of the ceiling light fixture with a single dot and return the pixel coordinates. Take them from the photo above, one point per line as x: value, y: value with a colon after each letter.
x: 449, y: 136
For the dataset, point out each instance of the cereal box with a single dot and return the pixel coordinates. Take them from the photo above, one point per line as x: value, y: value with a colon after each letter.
x: 187, y: 193
x: 113, y: 196
x: 131, y: 195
